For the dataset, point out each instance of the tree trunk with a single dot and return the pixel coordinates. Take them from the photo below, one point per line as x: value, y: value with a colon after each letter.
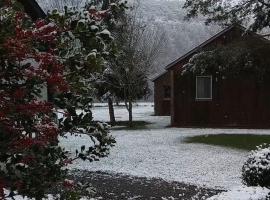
x: 105, y: 5
x: 130, y: 118
x: 117, y: 102
x: 111, y: 111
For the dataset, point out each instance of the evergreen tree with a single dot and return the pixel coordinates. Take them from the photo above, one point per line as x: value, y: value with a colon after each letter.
x: 86, y: 44
x: 254, y: 13
x: 232, y: 61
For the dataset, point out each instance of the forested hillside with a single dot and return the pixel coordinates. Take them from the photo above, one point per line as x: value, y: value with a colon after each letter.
x: 181, y: 35
x: 168, y: 16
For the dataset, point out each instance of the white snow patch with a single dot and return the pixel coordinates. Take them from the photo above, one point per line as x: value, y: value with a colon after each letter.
x: 49, y: 197
x: 105, y: 32
x: 243, y: 193
x: 94, y: 28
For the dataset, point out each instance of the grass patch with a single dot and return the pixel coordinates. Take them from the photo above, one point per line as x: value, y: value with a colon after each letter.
x: 124, y: 125
x: 238, y: 141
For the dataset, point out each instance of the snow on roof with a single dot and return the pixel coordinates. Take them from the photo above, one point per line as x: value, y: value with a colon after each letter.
x: 199, y: 47
x: 168, y: 67
x: 158, y: 76
x: 212, y: 39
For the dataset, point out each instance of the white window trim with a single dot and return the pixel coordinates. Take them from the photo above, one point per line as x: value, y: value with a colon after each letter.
x: 204, y: 99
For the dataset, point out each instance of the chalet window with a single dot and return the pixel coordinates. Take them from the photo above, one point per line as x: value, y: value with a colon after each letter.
x: 167, y: 92
x: 203, y: 87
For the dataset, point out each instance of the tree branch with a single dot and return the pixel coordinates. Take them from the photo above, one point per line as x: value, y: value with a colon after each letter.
x: 264, y: 3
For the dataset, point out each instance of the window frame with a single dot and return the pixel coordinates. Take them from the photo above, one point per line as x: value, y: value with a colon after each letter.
x: 211, y: 88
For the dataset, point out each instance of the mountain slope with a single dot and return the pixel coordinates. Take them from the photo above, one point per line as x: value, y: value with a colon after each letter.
x: 181, y: 35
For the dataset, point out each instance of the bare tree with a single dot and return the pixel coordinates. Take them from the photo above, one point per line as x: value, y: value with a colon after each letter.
x: 140, y: 45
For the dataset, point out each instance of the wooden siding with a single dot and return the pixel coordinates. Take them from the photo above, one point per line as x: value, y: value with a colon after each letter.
x: 235, y: 103
x: 162, y: 104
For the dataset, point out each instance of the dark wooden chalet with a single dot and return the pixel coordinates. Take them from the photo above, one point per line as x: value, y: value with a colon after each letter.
x: 208, y: 101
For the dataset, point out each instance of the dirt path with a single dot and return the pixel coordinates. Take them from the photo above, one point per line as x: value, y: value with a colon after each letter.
x: 121, y: 187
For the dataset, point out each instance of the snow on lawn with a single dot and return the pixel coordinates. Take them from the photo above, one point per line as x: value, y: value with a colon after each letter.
x: 243, y: 193
x: 160, y: 152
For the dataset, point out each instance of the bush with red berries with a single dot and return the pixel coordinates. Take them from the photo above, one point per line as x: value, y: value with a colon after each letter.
x: 33, y: 59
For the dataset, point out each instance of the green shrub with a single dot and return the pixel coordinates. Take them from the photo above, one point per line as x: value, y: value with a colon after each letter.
x: 256, y: 170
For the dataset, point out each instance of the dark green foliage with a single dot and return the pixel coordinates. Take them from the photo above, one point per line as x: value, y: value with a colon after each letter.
x: 256, y: 170
x: 35, y: 183
x: 253, y: 12
x: 238, y: 141
x: 232, y: 61
x: 136, y: 125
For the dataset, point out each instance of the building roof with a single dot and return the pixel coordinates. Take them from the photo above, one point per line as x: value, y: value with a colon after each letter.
x: 193, y: 51
x: 168, y: 67
x: 212, y: 39
x: 159, y: 76
x: 33, y: 9
x: 200, y: 46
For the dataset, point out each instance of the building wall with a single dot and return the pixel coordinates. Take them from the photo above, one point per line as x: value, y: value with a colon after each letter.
x: 240, y: 102
x: 162, y: 103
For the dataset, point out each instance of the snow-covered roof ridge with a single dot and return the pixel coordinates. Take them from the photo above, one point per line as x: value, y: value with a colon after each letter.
x: 158, y: 76
x: 193, y: 51
x: 200, y: 46
x: 212, y: 39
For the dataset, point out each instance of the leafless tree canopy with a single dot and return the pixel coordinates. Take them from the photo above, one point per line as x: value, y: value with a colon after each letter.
x: 140, y: 45
x: 142, y: 41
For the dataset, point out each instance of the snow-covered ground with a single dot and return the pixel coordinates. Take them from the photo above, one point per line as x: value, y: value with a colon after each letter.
x: 160, y: 152
x: 243, y: 193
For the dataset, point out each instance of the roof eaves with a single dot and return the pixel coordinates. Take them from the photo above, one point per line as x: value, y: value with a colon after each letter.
x: 159, y: 76
x: 200, y: 46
